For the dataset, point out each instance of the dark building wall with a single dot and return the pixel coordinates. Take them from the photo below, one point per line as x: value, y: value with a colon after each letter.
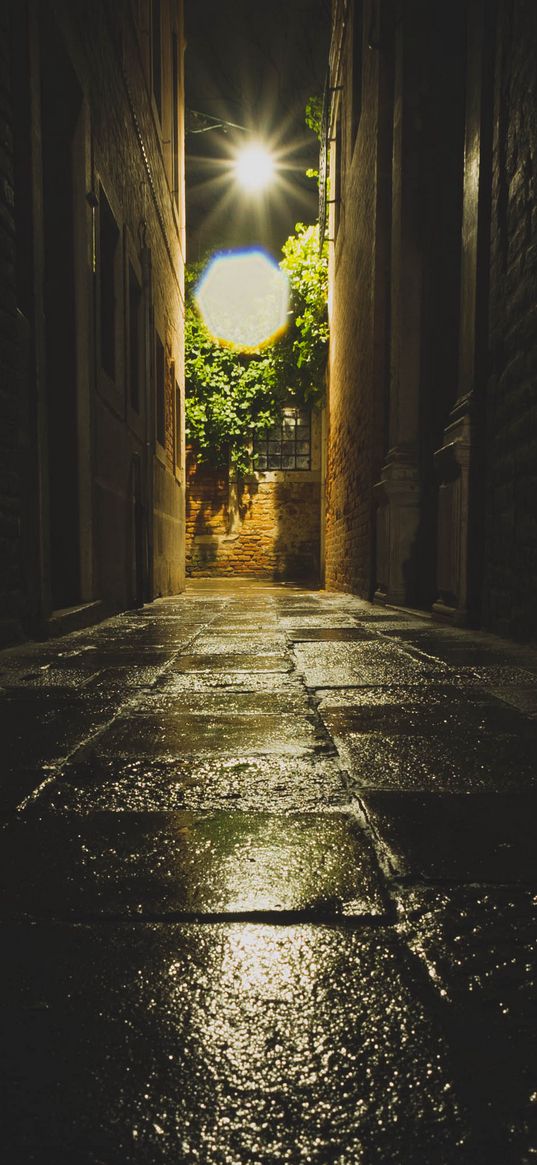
x: 432, y: 450
x: 99, y: 236
x: 396, y: 165
x: 510, y: 570
x: 12, y: 605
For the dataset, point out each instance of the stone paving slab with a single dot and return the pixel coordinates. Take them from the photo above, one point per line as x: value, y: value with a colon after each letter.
x: 385, y: 624
x: 223, y: 703
x: 462, y: 718
x: 479, y: 949
x: 226, y: 662
x: 435, y: 764
x: 242, y: 628
x: 328, y: 634
x: 264, y: 618
x: 37, y: 675
x: 146, y: 630
x: 177, y: 682
x: 130, y: 655
x: 183, y: 863
x: 234, y: 1043
x: 21, y: 782
x: 456, y: 837
x: 524, y: 699
x: 351, y: 664
x: 234, y: 644
x: 423, y: 633
x: 477, y: 655
x: 476, y: 943
x: 93, y: 670
x: 170, y: 733
x: 40, y: 727
x: 445, y: 696
x: 493, y: 676
x: 306, y: 783
x: 319, y: 620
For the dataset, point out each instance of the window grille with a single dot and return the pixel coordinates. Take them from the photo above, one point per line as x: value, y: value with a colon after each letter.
x: 287, y: 445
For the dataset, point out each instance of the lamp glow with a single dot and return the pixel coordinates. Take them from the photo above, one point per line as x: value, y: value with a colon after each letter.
x: 254, y: 168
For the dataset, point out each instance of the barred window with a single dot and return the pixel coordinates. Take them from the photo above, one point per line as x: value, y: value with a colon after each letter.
x: 287, y: 445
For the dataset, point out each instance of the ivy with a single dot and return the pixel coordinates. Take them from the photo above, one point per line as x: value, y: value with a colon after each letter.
x: 230, y: 395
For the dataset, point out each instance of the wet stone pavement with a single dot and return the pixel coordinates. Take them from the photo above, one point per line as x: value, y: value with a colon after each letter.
x: 268, y: 874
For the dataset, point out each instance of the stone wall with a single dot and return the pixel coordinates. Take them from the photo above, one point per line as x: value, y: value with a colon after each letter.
x: 510, y: 570
x: 267, y: 526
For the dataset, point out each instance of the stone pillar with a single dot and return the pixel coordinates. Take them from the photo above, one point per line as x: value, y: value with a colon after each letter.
x: 457, y: 460
x: 397, y: 493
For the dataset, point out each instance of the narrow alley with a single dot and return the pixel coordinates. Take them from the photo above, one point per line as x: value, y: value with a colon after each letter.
x: 267, y: 878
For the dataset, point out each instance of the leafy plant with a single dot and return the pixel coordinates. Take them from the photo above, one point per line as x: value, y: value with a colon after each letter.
x: 229, y: 394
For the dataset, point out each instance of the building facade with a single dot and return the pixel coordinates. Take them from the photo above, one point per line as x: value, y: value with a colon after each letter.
x: 92, y: 308
x: 431, y: 497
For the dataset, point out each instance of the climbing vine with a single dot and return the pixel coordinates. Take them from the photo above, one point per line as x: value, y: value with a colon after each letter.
x: 230, y: 395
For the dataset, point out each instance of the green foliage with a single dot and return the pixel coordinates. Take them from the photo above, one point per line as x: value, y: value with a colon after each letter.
x: 314, y: 115
x: 230, y: 395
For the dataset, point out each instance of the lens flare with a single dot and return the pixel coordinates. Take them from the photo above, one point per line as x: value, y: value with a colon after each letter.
x: 243, y: 297
x: 254, y: 168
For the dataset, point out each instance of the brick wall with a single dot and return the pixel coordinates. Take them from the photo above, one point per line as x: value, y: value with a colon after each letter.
x: 355, y: 421
x: 510, y: 572
x: 267, y: 527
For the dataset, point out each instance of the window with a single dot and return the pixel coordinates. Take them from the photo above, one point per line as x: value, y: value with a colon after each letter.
x: 159, y: 390
x: 175, y: 118
x: 337, y: 157
x: 108, y: 253
x: 156, y: 54
x: 178, y: 434
x: 135, y: 332
x: 287, y: 445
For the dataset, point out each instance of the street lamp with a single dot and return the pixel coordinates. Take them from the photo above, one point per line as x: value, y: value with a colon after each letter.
x: 254, y: 167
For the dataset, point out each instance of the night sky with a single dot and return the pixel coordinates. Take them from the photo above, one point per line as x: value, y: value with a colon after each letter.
x: 254, y: 64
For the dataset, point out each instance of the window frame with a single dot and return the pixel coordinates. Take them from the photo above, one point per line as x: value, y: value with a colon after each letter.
x: 160, y: 396
x: 263, y: 440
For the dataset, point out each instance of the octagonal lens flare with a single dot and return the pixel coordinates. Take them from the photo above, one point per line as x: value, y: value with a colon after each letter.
x: 243, y: 298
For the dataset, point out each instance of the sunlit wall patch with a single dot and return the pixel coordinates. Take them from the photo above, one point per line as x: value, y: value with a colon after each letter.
x: 243, y: 297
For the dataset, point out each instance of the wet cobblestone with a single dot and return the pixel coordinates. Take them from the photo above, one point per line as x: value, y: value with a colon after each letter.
x: 268, y: 869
